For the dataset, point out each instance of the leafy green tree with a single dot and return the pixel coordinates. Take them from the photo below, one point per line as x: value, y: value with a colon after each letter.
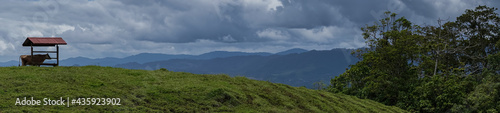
x: 451, y: 67
x: 439, y: 94
x: 385, y: 74
x: 480, y: 30
x: 319, y: 85
x: 486, y: 96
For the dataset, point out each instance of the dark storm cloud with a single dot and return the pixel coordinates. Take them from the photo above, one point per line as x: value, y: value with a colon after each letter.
x: 306, y: 14
x: 359, y: 11
x: 421, y: 7
x: 114, y: 28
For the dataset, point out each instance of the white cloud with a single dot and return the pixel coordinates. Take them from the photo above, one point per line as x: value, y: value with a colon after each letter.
x: 322, y: 34
x: 6, y: 48
x: 59, y: 29
x: 273, y: 34
x: 228, y: 38
x: 269, y: 5
x: 3, y: 47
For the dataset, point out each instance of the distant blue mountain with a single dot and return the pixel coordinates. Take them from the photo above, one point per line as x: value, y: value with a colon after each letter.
x: 150, y: 57
x: 296, y: 67
x: 293, y: 69
x: 9, y: 63
x: 292, y: 51
x: 223, y: 54
x: 82, y: 61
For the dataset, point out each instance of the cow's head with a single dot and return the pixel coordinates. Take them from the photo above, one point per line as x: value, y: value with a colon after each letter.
x: 47, y: 56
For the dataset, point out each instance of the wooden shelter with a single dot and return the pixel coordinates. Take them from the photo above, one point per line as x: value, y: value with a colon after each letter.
x: 45, y: 42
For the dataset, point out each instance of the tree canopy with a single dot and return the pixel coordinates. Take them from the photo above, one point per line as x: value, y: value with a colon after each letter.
x: 452, y: 66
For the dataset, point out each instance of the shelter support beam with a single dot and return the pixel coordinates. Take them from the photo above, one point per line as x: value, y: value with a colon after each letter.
x: 57, y: 52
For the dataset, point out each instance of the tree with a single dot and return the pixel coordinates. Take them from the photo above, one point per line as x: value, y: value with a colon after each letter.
x: 385, y: 73
x: 449, y: 67
x: 479, y: 28
x: 319, y: 85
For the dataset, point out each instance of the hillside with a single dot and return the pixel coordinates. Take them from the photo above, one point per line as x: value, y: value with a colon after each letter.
x: 162, y: 90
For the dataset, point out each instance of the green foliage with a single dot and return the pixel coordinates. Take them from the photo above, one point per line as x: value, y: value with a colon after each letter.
x: 449, y: 67
x: 439, y: 93
x: 320, y: 85
x: 385, y: 74
x: 163, y: 69
x: 486, y: 96
x: 166, y: 91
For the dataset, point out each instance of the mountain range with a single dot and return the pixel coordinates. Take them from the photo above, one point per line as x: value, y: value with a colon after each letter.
x: 296, y: 67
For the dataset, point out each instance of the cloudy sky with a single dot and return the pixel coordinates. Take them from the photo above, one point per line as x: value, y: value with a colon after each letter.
x: 119, y: 28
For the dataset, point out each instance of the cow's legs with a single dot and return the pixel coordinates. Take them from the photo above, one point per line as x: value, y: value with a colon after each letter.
x: 24, y: 62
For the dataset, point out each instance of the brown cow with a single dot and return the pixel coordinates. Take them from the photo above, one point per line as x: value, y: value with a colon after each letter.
x: 37, y: 59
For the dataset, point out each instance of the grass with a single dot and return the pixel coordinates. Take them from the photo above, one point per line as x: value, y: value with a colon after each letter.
x: 165, y: 91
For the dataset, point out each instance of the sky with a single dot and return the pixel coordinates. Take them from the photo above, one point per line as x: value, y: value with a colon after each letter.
x: 120, y: 28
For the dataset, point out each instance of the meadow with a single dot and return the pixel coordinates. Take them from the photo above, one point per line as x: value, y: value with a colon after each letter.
x: 165, y: 91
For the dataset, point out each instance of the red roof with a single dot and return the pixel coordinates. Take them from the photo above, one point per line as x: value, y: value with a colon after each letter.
x: 44, y: 41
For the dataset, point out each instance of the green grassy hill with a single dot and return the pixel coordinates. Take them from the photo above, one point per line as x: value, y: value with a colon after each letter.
x: 162, y: 90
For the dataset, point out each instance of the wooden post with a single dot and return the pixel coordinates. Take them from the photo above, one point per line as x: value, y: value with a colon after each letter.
x: 57, y: 54
x: 31, y: 54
